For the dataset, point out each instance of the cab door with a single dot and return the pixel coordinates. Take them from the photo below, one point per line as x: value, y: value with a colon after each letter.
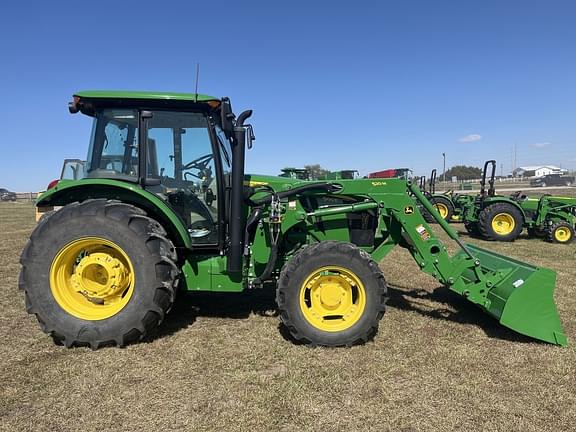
x: 180, y: 154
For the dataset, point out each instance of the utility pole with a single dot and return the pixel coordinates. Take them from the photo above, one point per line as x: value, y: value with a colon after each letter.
x: 512, y: 161
x: 444, y: 169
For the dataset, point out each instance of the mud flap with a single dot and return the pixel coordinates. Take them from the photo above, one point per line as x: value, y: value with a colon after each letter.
x: 520, y: 296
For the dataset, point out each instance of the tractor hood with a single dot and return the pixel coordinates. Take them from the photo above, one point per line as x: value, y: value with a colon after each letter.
x: 275, y: 182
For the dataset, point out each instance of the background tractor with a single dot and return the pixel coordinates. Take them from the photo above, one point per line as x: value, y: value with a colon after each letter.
x: 502, y: 218
x: 72, y: 169
x: 448, y: 204
x: 551, y: 217
x: 165, y: 206
x: 340, y: 175
x: 296, y: 173
x: 491, y: 216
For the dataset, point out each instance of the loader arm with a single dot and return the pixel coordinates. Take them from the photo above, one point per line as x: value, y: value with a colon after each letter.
x: 519, y: 295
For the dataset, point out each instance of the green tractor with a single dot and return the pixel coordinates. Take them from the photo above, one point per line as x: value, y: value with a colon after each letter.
x: 296, y: 173
x: 550, y: 217
x: 165, y: 206
x: 339, y: 175
x: 503, y: 218
x: 491, y: 216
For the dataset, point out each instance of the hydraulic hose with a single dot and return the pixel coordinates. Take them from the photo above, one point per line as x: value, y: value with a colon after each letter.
x: 326, y: 187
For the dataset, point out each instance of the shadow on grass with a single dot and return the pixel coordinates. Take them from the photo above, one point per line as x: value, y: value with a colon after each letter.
x: 457, y: 310
x: 523, y: 236
x: 235, y: 305
x: 190, y: 306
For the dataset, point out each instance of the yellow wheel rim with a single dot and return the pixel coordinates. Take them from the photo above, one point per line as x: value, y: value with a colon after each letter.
x: 562, y: 234
x: 92, y: 278
x: 442, y: 209
x: 503, y: 224
x: 332, y: 299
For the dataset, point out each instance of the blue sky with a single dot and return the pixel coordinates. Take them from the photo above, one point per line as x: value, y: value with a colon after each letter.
x: 348, y: 85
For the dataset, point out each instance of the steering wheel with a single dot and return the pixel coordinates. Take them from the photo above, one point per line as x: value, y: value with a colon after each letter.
x: 200, y: 164
x: 518, y: 196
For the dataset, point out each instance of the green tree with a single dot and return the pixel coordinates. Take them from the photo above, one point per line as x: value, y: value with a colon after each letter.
x: 463, y: 172
x: 316, y: 171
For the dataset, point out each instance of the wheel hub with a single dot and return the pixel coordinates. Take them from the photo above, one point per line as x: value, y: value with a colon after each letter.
x: 92, y: 278
x: 503, y: 224
x: 563, y: 234
x: 331, y: 293
x: 332, y: 299
x: 100, y: 276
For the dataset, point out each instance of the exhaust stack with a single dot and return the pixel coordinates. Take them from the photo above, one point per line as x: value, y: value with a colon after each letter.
x: 236, y: 222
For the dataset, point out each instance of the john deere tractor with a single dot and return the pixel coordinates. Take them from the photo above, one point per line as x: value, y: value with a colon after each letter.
x: 550, y: 217
x: 296, y: 173
x: 502, y: 218
x: 165, y: 205
x: 491, y: 216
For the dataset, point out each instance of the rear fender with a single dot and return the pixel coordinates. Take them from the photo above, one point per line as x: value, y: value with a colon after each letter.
x: 496, y: 200
x: 66, y: 192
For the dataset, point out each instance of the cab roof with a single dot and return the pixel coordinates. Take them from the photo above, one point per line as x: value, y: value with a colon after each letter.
x: 122, y: 94
x: 89, y: 100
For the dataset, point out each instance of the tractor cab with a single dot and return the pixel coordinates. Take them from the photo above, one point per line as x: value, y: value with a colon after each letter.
x: 187, y: 159
x: 72, y: 169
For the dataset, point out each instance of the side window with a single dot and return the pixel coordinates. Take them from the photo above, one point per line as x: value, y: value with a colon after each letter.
x: 113, y: 147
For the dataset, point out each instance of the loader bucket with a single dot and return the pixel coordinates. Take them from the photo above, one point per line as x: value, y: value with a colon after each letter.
x: 521, y: 296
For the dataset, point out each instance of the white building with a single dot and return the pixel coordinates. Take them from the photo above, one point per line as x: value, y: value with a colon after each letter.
x: 537, y: 170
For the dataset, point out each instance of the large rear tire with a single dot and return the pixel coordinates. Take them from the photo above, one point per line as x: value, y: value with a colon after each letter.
x: 98, y: 273
x: 501, y: 222
x: 331, y: 294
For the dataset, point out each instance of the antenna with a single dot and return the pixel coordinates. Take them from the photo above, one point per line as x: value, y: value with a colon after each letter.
x: 197, y: 76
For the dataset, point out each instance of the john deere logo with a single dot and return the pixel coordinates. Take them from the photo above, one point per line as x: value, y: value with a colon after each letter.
x: 408, y: 210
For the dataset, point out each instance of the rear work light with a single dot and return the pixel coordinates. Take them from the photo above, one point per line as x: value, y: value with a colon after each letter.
x: 52, y: 184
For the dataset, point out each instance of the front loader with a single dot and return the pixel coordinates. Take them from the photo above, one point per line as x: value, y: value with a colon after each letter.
x: 165, y: 206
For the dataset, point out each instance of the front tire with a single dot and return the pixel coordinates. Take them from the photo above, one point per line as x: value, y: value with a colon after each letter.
x: 331, y: 294
x: 98, y: 273
x: 560, y: 232
x: 472, y: 228
x: 443, y: 206
x: 500, y: 222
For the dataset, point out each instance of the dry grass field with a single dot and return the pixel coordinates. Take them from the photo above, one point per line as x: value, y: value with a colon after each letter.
x: 220, y: 362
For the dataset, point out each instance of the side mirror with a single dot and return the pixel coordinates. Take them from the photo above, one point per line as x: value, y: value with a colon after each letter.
x: 250, y: 135
x: 227, y: 117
